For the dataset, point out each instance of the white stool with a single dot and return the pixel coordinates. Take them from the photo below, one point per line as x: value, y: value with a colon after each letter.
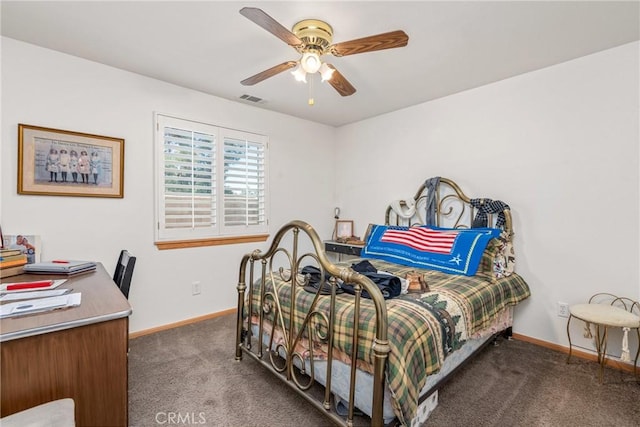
x: 605, y: 316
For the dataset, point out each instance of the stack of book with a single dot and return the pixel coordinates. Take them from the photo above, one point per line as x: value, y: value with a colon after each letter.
x: 12, y: 262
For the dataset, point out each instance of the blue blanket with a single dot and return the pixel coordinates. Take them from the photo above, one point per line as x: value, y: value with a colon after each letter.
x: 454, y: 251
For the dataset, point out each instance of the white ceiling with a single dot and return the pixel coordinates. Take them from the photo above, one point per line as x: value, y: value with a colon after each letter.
x: 208, y: 46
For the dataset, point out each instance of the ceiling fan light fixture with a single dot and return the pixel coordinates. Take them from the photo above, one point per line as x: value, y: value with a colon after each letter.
x: 313, y: 38
x: 310, y: 62
x: 300, y: 74
x: 326, y: 72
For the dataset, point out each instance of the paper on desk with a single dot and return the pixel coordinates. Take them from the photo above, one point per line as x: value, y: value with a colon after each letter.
x: 54, y: 284
x: 39, y: 305
x: 17, y: 296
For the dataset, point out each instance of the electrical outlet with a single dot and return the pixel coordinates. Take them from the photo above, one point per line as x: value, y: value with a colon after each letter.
x: 195, y: 288
x: 563, y: 309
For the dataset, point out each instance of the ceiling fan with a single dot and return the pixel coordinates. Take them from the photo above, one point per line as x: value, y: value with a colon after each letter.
x: 313, y: 38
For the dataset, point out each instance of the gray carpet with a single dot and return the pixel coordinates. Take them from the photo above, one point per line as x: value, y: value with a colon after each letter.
x: 188, y: 376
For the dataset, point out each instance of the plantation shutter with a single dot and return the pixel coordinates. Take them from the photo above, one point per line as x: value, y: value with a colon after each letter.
x: 244, y: 201
x: 210, y: 182
x: 189, y: 180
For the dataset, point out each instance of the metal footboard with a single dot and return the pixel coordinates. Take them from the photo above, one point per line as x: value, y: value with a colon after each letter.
x: 288, y: 335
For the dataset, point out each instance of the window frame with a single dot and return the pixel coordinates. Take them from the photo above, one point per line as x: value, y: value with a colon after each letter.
x: 219, y: 233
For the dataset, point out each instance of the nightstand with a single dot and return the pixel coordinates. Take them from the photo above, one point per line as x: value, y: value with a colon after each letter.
x: 342, y: 249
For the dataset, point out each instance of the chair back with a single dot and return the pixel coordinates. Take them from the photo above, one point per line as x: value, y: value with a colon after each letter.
x: 124, y: 271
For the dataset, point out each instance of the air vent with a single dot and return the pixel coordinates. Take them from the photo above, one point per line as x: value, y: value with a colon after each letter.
x: 252, y: 98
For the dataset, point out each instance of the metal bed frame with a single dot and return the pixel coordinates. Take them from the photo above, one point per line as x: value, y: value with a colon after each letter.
x: 288, y: 253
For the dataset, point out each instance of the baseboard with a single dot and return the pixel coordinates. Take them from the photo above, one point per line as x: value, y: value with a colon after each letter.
x: 181, y: 323
x: 615, y: 364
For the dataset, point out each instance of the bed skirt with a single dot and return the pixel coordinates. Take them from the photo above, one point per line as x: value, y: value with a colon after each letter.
x: 428, y: 394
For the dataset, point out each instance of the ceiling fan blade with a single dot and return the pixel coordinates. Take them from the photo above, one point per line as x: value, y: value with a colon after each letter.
x: 389, y: 40
x: 339, y: 83
x: 269, y: 73
x: 259, y: 17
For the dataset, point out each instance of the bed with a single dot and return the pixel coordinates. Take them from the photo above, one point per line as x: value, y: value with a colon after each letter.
x: 379, y: 334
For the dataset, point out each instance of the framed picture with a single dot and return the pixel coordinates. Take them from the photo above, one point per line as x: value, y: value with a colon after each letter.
x: 55, y: 162
x: 344, y: 229
x: 30, y: 245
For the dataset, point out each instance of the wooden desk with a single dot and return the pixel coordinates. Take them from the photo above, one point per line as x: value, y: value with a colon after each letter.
x: 79, y: 352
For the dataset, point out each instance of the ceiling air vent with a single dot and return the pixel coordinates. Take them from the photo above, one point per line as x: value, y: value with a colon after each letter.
x: 251, y: 98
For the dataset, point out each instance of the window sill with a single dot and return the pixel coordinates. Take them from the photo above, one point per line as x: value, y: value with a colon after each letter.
x: 213, y: 241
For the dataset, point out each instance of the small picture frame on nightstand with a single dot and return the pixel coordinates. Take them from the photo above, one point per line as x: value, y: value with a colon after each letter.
x: 344, y: 229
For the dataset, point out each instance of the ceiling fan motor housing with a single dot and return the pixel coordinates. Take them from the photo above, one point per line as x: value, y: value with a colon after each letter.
x: 316, y: 35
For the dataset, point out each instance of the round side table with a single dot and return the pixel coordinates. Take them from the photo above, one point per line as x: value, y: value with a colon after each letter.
x: 604, y: 316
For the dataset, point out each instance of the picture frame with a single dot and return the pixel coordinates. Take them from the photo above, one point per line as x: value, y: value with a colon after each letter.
x: 29, y: 244
x: 344, y: 229
x: 55, y: 162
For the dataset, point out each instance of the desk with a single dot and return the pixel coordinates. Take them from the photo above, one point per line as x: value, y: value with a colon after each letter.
x: 80, y: 352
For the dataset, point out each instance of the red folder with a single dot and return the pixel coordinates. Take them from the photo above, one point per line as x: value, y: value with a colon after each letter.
x: 30, y: 285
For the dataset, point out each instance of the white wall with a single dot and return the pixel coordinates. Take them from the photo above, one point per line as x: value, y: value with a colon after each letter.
x: 559, y: 145
x: 46, y: 88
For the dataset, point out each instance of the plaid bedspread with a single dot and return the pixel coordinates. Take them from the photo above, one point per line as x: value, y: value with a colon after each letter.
x: 423, y: 329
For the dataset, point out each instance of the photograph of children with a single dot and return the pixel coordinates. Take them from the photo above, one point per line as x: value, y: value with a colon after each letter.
x: 61, y: 162
x: 54, y: 162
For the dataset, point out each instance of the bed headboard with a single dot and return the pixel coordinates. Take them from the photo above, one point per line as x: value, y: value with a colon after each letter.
x: 440, y: 202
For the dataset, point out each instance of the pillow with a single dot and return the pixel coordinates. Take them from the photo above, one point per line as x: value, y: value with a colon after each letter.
x: 498, y: 259
x: 453, y: 251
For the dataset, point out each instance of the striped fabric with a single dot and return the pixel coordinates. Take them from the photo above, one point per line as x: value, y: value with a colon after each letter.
x: 421, y: 238
x: 422, y: 330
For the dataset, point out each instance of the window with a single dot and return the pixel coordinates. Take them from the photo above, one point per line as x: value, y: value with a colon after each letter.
x: 211, y: 184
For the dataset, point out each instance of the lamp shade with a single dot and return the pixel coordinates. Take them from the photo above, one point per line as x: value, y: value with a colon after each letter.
x: 310, y: 62
x: 326, y: 72
x: 299, y: 74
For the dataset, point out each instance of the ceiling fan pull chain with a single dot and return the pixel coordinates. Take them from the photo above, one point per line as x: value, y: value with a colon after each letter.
x: 311, y: 100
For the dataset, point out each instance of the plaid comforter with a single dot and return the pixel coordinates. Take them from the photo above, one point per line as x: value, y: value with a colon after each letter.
x: 423, y: 329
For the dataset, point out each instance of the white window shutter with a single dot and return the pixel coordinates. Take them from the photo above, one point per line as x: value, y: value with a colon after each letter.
x: 210, y: 181
x: 187, y: 199
x: 244, y: 182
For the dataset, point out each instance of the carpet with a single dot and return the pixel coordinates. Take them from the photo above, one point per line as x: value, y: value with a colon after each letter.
x: 189, y: 376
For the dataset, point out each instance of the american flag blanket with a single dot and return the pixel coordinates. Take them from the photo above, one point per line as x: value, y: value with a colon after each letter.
x: 423, y: 328
x: 455, y: 251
